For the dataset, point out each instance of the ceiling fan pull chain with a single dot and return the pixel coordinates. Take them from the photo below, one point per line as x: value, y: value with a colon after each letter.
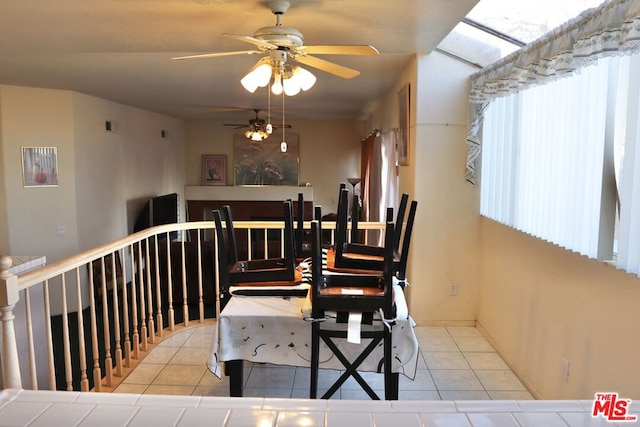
x: 283, y: 144
x: 269, y: 126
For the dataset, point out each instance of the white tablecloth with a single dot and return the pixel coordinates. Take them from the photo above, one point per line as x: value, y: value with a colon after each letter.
x: 272, y: 330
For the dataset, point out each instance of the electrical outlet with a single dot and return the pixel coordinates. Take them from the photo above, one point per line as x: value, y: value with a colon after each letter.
x: 565, y: 370
x: 453, y: 289
x: 60, y: 230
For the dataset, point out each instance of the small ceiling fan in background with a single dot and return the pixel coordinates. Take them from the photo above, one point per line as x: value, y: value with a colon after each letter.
x: 258, y: 129
x: 282, y: 44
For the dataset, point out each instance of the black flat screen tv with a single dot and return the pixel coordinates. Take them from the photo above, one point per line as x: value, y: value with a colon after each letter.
x: 157, y: 211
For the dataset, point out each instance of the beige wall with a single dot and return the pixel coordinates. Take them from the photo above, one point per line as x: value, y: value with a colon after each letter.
x: 39, y: 118
x: 116, y: 173
x: 329, y: 153
x: 100, y: 176
x: 103, y: 179
x: 444, y: 244
x: 540, y: 303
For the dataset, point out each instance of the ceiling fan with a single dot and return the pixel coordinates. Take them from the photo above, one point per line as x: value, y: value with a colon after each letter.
x: 258, y: 129
x: 282, y: 43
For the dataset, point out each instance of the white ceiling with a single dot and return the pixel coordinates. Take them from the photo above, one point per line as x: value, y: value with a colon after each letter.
x: 121, y: 49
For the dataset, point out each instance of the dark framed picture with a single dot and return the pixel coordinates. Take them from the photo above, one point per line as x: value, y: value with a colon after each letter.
x: 214, y: 169
x: 404, y: 105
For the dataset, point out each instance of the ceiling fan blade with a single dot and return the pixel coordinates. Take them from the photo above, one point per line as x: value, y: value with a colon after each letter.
x: 264, y: 46
x: 215, y: 55
x: 236, y: 125
x: 338, y: 50
x: 328, y: 67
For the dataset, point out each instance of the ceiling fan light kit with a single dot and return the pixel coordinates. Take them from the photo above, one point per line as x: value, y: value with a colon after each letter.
x: 284, y: 46
x: 256, y: 135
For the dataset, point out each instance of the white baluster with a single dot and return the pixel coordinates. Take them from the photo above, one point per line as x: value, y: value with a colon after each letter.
x: 8, y: 299
x: 185, y: 305
x: 84, y: 381
x: 200, y: 298
x: 33, y: 372
x: 171, y: 314
x: 159, y: 317
x: 97, y: 372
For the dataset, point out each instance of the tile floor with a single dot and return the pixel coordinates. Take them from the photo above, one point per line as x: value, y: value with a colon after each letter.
x: 455, y: 363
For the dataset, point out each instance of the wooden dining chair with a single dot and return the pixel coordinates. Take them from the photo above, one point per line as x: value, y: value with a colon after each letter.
x: 349, y: 256
x: 261, y: 270
x: 255, y: 285
x: 344, y: 294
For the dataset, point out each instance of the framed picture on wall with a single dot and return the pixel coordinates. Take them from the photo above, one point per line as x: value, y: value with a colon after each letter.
x: 267, y: 162
x: 40, y: 166
x: 214, y: 169
x: 404, y: 105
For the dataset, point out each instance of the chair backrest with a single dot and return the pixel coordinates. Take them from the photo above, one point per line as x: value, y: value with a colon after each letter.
x: 259, y: 270
x: 341, y: 222
x: 231, y: 245
x: 343, y: 215
x: 400, y: 219
x: 289, y: 248
x: 406, y: 242
x: 299, y: 235
x: 348, y: 302
x: 222, y: 255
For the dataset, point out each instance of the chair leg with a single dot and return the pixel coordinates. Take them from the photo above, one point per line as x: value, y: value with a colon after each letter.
x: 315, y: 359
x: 391, y: 379
x: 350, y: 368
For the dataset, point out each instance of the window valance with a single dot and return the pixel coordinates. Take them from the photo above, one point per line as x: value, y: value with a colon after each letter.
x: 610, y: 29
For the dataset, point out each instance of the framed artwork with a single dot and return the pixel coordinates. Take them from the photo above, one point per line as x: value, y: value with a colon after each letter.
x: 40, y: 166
x: 265, y: 163
x: 214, y: 169
x: 404, y: 105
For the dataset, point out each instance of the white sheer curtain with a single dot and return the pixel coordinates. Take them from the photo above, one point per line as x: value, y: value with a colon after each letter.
x: 388, y: 172
x: 384, y: 178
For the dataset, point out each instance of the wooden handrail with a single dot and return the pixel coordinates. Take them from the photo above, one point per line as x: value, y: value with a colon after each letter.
x: 140, y: 319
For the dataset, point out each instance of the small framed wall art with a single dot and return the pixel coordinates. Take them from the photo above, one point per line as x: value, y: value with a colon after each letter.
x: 40, y: 166
x: 214, y: 169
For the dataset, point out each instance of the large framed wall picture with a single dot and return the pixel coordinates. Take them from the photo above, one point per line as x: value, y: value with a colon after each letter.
x: 265, y: 163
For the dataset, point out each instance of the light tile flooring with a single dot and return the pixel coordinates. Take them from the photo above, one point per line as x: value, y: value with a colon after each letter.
x: 455, y: 363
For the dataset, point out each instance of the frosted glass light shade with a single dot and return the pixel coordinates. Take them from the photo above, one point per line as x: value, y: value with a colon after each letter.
x: 291, y: 87
x: 305, y: 78
x: 258, y: 77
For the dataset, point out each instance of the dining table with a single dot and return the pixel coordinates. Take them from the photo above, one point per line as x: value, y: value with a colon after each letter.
x: 277, y: 330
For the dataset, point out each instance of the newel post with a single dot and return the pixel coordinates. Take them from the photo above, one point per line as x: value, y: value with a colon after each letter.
x: 9, y: 297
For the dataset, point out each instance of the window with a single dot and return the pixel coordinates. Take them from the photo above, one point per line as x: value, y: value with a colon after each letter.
x: 559, y: 159
x: 495, y: 28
